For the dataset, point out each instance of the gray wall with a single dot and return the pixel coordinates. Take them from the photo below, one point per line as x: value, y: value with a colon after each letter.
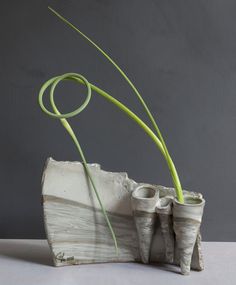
x: 182, y: 57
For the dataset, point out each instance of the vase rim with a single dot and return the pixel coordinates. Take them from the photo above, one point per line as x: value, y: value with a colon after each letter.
x: 194, y: 201
x: 152, y: 194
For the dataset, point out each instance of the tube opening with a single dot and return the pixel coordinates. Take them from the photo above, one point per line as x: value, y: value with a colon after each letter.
x: 145, y: 192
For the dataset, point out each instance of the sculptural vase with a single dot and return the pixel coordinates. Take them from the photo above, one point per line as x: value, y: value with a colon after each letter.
x: 77, y: 232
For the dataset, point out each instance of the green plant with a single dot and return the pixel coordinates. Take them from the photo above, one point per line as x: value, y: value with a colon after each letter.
x: 157, y: 138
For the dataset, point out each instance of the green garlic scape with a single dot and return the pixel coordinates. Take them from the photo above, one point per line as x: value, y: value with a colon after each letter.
x: 157, y: 138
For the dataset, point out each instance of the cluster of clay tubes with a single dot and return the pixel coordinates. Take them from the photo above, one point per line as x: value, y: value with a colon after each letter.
x: 179, y: 224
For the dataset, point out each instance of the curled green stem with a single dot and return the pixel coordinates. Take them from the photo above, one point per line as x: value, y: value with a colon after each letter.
x: 171, y: 166
x: 157, y: 138
x: 63, y: 118
x: 52, y: 83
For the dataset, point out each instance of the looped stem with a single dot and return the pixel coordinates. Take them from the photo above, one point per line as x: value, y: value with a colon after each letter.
x: 52, y: 83
x: 169, y: 161
x: 63, y: 118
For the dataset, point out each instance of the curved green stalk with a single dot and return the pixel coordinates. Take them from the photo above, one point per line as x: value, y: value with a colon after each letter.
x: 133, y: 116
x: 53, y: 83
x: 63, y: 118
x: 170, y: 163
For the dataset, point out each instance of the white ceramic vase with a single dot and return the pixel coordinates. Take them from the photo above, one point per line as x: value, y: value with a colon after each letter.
x: 78, y: 233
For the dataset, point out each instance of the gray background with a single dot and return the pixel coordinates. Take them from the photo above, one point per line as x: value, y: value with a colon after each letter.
x: 182, y: 57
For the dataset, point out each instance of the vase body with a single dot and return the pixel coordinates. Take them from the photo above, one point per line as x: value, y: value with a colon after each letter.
x: 187, y: 219
x: 143, y: 200
x: 77, y: 231
x: 164, y: 211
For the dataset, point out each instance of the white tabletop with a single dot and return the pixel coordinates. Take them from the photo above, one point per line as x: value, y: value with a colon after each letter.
x: 24, y: 262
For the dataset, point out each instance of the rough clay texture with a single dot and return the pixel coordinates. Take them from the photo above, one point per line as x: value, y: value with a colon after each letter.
x: 168, y: 236
x: 164, y: 211
x: 77, y: 232
x: 145, y: 217
x: 186, y: 223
